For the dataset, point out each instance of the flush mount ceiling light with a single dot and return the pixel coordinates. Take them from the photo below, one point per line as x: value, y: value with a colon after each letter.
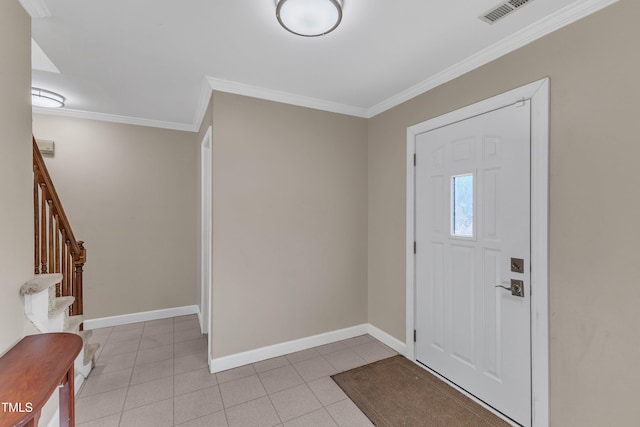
x: 309, y: 18
x: 46, y: 98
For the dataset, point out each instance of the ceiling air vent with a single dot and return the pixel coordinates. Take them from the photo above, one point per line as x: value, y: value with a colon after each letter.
x: 503, y: 10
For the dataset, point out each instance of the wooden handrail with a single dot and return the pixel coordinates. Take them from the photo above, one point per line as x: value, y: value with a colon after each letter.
x: 29, y: 374
x: 56, y: 248
x: 44, y: 178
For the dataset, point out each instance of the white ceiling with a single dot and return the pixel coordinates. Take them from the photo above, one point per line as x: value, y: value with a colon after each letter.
x: 147, y: 61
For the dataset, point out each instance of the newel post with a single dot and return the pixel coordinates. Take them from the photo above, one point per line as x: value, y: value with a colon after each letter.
x: 78, y: 262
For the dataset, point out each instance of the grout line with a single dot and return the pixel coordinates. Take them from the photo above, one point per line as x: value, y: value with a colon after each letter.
x: 267, y: 394
x: 124, y: 403
x: 218, y: 385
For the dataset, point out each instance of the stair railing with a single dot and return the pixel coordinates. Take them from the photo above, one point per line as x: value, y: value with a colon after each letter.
x: 56, y: 248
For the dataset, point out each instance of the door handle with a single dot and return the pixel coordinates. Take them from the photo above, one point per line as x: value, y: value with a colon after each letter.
x: 516, y: 288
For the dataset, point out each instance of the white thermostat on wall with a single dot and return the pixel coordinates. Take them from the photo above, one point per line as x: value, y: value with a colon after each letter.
x: 47, y: 148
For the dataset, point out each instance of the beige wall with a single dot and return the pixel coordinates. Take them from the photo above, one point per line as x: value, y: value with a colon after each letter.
x: 289, y: 223
x: 16, y: 177
x: 130, y: 193
x: 594, y: 66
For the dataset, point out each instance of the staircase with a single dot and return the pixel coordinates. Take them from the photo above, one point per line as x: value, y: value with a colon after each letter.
x: 53, y: 298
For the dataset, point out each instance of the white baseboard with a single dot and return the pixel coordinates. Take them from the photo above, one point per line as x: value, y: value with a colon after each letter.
x: 200, y: 320
x: 145, y: 316
x: 387, y: 339
x: 264, y: 353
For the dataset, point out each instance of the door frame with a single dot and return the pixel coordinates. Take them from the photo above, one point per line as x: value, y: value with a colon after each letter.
x: 205, y: 231
x: 538, y: 93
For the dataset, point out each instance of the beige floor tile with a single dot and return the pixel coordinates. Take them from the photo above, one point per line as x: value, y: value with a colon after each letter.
x: 343, y: 360
x: 187, y: 317
x: 197, y: 404
x: 149, y: 392
x: 190, y: 362
x: 295, y: 402
x: 157, y: 322
x: 346, y: 414
x: 155, y: 354
x: 159, y: 414
x: 110, y: 421
x: 168, y: 377
x: 235, y: 374
x: 185, y: 348
x: 115, y: 362
x: 187, y: 335
x: 256, y: 413
x: 100, y: 335
x: 373, y: 351
x: 101, y: 331
x: 241, y: 391
x: 299, y: 356
x: 100, y: 405
x: 150, y: 331
x: 152, y: 371
x: 319, y: 418
x: 330, y: 348
x: 280, y: 379
x: 128, y: 346
x: 186, y: 325
x: 327, y: 391
x: 96, y: 384
x: 193, y: 380
x: 267, y: 365
x: 362, y: 339
x: 127, y: 334
x: 128, y: 326
x: 312, y: 369
x: 159, y: 340
x: 219, y: 419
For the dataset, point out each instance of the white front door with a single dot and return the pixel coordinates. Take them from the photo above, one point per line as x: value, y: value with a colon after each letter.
x: 472, y: 217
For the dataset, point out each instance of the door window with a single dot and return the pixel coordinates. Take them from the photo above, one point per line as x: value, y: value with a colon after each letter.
x: 462, y: 205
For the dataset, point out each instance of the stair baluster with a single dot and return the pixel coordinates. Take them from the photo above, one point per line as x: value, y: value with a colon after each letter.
x: 56, y: 248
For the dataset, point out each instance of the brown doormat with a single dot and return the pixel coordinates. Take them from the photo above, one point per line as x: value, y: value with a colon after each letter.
x: 395, y: 392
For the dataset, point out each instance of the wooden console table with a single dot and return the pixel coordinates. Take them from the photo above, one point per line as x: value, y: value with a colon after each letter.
x: 30, y: 373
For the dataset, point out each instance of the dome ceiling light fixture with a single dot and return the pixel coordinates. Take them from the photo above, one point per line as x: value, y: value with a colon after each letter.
x: 46, y: 98
x: 309, y: 18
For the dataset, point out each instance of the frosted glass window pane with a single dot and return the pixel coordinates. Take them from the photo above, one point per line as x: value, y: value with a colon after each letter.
x: 462, y: 205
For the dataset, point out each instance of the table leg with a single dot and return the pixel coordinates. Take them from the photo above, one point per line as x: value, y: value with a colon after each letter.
x: 67, y: 400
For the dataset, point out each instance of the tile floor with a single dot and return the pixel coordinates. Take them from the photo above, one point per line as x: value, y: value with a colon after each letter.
x: 155, y: 374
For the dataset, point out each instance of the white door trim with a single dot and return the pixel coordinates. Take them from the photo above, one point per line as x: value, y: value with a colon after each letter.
x: 206, y: 150
x: 538, y: 93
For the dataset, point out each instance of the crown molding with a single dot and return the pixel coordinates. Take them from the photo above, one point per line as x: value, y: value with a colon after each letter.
x: 36, y: 8
x: 549, y: 24
x: 228, y: 86
x: 79, y: 114
x: 203, y: 104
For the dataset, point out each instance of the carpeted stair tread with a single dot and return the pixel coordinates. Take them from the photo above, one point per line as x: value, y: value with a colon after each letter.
x: 41, y: 282
x: 60, y: 304
x: 89, y: 352
x: 85, y: 335
x: 73, y: 324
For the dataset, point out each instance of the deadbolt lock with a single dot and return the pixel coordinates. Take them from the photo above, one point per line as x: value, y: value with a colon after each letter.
x: 517, y: 265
